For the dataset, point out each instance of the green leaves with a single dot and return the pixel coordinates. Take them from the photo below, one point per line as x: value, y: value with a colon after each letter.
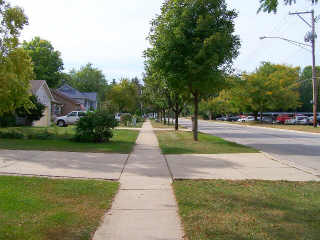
x: 89, y: 79
x: 48, y: 64
x: 272, y: 5
x: 271, y: 87
x: 15, y: 74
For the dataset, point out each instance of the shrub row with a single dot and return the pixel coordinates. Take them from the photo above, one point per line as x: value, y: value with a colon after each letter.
x: 18, y: 135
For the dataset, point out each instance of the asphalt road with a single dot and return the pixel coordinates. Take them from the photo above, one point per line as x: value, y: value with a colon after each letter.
x: 297, y: 148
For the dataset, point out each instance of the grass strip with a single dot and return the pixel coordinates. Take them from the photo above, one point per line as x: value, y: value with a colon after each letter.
x: 52, y: 209
x: 123, y: 141
x: 172, y: 142
x: 256, y: 210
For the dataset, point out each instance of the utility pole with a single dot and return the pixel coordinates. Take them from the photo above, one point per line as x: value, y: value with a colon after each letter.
x: 311, y: 37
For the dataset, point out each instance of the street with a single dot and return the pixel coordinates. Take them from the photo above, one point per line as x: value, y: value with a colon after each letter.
x: 299, y: 149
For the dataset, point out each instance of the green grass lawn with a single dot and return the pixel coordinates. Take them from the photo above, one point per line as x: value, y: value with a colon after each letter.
x: 256, y: 210
x: 172, y: 142
x: 123, y: 141
x: 52, y: 209
x: 156, y: 124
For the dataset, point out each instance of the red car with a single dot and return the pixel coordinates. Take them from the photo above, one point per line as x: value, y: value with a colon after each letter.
x: 282, y: 118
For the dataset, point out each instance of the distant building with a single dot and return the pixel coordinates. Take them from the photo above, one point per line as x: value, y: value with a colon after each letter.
x: 87, y: 99
x: 40, y: 89
x: 63, y: 104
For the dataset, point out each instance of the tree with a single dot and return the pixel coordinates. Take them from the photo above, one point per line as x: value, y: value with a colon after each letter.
x: 306, y: 89
x: 33, y: 114
x: 221, y: 104
x: 270, y: 87
x: 124, y: 96
x: 193, y: 44
x: 272, y: 5
x: 162, y: 95
x: 15, y: 64
x: 47, y: 62
x: 89, y: 79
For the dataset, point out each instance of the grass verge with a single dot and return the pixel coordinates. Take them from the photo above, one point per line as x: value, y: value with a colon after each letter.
x: 172, y: 142
x: 43, y: 209
x: 123, y: 141
x: 156, y: 124
x: 256, y: 210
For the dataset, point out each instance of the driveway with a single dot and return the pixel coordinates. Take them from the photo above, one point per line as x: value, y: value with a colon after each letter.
x: 62, y: 164
x: 296, y: 148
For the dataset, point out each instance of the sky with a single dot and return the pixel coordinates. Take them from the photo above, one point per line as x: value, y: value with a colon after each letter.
x: 112, y: 34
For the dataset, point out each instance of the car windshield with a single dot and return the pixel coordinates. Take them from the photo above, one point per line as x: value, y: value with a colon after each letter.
x: 72, y: 114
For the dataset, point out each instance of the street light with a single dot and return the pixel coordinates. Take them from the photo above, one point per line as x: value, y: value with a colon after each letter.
x: 288, y: 40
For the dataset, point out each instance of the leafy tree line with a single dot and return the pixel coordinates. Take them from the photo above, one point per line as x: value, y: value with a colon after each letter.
x: 272, y: 87
x: 125, y: 97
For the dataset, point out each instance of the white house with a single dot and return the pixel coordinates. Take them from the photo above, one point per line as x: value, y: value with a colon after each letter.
x: 40, y: 89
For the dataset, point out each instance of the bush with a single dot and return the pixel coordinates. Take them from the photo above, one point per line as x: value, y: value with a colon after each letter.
x: 7, y: 120
x: 33, y: 114
x: 95, y: 127
x: 11, y: 134
x: 126, y: 118
x: 140, y: 119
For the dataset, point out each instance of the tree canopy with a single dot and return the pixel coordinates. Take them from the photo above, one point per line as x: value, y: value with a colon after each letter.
x: 15, y: 65
x: 47, y: 61
x: 306, y: 89
x: 88, y: 79
x: 193, y: 45
x: 270, y: 87
x: 124, y: 97
x: 272, y: 5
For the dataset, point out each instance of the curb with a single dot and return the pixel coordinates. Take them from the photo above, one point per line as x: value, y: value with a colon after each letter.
x: 293, y: 165
x: 257, y: 127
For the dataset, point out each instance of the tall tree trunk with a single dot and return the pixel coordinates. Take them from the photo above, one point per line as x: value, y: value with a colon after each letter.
x: 164, y: 117
x: 195, y: 118
x: 261, y: 116
x: 168, y: 117
x: 176, y: 124
x: 211, y: 115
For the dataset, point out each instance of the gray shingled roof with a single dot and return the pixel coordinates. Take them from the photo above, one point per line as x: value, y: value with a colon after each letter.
x: 74, y: 93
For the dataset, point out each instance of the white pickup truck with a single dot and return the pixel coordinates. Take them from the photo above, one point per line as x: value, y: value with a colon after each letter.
x: 70, y: 118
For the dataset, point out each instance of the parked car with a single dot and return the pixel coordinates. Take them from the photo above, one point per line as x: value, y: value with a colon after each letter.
x: 291, y: 121
x: 233, y: 118
x: 282, y: 118
x: 302, y: 120
x: 247, y: 119
x: 267, y: 119
x: 299, y: 119
x: 70, y: 118
x: 220, y: 119
x: 311, y: 120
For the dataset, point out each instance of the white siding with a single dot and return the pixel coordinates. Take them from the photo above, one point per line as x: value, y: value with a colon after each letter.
x: 44, y: 97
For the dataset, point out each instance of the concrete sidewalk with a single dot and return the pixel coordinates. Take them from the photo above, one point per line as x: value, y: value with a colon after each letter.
x: 62, y: 164
x: 239, y: 166
x: 145, y: 207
